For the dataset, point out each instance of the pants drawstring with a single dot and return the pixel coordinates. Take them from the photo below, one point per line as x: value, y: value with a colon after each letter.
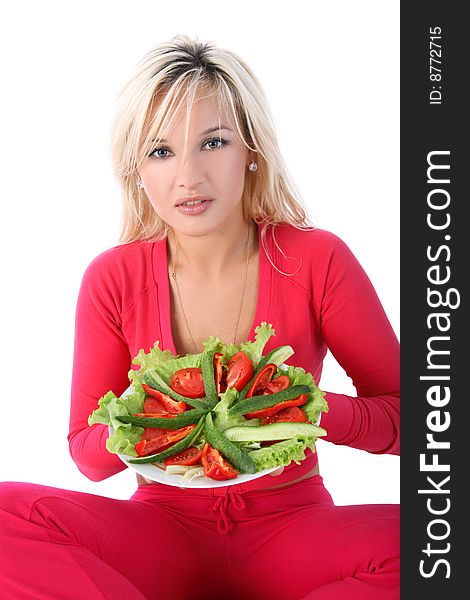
x: 222, y: 504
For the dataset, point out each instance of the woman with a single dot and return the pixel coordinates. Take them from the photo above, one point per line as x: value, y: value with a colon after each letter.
x: 213, y: 242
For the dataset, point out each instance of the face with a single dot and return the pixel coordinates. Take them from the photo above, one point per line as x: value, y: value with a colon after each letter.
x: 197, y: 187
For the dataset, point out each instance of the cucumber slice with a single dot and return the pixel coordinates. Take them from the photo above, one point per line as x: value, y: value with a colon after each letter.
x: 235, y: 455
x: 180, y: 420
x: 274, y: 431
x: 207, y: 367
x: 249, y: 405
x: 280, y: 355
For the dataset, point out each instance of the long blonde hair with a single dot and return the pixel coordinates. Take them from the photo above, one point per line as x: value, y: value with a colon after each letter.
x: 168, y: 75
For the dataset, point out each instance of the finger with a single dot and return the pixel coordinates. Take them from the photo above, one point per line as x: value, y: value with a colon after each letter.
x: 278, y: 471
x: 141, y: 480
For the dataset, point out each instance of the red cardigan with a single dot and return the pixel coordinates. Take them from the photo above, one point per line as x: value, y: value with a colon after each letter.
x: 329, y: 303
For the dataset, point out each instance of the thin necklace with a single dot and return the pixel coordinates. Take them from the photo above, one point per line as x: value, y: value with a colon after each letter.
x: 173, y: 276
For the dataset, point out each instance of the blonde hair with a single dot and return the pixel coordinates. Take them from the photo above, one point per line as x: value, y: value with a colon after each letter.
x: 168, y: 75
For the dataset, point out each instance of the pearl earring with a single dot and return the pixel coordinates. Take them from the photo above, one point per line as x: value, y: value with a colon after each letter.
x: 140, y: 184
x: 252, y: 166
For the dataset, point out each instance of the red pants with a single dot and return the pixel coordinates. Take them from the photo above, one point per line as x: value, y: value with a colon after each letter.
x: 170, y: 544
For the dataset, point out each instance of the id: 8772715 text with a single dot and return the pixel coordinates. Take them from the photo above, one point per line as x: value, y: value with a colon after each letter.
x: 435, y: 65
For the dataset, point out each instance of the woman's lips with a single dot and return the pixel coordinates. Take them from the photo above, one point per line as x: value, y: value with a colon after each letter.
x: 194, y: 206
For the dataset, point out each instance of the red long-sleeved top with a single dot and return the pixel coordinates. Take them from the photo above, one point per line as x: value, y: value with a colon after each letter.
x: 124, y: 305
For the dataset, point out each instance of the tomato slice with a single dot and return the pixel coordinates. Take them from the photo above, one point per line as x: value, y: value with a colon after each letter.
x: 240, y: 371
x: 163, y: 401
x: 188, y: 382
x: 272, y: 410
x: 162, y: 442
x: 215, y: 465
x: 262, y: 379
x: 220, y: 384
x: 292, y: 414
x: 190, y: 456
x: 276, y: 385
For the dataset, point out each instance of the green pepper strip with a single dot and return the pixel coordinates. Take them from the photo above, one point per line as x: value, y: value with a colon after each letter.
x: 178, y: 447
x: 255, y: 403
x: 152, y: 379
x: 238, y: 457
x: 185, y: 418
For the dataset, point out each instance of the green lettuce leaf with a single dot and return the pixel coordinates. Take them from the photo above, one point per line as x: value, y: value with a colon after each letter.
x: 165, y: 363
x: 221, y: 418
x: 134, y: 400
x: 110, y: 407
x: 124, y: 436
x: 213, y: 344
x: 153, y: 357
x: 124, y: 439
x: 167, y: 369
x: 282, y: 453
x: 315, y: 405
x: 254, y: 350
x: 102, y: 414
x: 316, y: 402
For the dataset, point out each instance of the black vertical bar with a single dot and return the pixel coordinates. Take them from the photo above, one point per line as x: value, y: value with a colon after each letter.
x: 435, y: 259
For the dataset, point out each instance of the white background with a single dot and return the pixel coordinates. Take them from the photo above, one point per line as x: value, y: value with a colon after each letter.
x: 331, y: 73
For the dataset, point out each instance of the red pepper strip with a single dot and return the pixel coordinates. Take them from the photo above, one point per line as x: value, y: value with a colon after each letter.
x: 272, y: 410
x: 155, y: 415
x: 261, y: 380
x: 152, y: 405
x: 170, y: 405
x: 146, y: 447
x: 220, y: 385
x: 215, y: 465
x: 153, y: 432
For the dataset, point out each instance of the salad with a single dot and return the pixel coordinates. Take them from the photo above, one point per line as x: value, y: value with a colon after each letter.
x: 227, y: 410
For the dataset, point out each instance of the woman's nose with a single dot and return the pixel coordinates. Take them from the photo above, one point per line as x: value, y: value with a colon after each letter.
x: 189, y: 172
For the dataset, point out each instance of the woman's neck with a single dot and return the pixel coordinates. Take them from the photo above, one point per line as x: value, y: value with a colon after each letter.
x: 211, y: 254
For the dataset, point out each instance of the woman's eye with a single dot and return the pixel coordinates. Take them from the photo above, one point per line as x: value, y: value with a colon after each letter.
x: 160, y: 153
x: 215, y: 143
